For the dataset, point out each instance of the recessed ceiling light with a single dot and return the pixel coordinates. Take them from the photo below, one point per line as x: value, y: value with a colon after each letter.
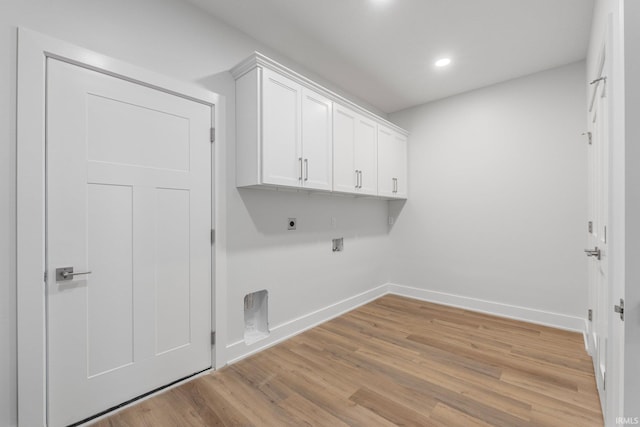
x: 379, y: 3
x: 443, y: 62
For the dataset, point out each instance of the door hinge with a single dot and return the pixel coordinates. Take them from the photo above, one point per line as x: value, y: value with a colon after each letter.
x: 590, y: 226
x: 620, y: 309
x: 46, y: 276
x: 590, y: 315
x: 213, y: 236
x: 213, y: 337
x: 589, y: 137
x: 212, y: 135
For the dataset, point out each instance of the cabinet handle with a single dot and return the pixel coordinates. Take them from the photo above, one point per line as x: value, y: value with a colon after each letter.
x: 360, y: 179
x: 357, y: 178
x: 395, y: 185
x: 300, y: 160
x: 306, y: 169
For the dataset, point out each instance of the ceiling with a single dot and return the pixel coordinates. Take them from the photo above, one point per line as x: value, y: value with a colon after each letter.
x: 383, y: 51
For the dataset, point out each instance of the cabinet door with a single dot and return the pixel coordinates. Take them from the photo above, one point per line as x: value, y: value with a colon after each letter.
x: 392, y: 163
x: 400, y: 165
x: 366, y: 155
x: 386, y: 162
x: 317, y: 146
x: 345, y: 122
x: 281, y: 130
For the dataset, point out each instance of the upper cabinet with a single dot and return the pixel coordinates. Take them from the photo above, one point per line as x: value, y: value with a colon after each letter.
x: 392, y: 163
x: 317, y: 141
x: 281, y: 130
x: 294, y: 133
x: 355, y: 152
x: 293, y: 147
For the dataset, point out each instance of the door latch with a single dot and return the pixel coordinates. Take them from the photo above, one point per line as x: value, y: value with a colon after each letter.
x: 593, y: 252
x: 620, y: 309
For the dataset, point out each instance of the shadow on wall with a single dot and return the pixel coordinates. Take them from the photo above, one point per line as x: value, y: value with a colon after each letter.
x: 221, y: 83
x: 263, y: 219
x: 395, y: 209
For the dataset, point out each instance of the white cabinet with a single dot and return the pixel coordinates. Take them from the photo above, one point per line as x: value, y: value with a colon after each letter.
x: 392, y: 163
x: 293, y: 133
x: 281, y: 130
x: 317, y: 146
x: 283, y: 133
x: 355, y: 157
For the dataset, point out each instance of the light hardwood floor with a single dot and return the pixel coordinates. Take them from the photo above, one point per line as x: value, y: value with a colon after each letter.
x: 394, y: 361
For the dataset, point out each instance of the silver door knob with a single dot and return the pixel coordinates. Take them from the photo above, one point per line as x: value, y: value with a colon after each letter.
x: 593, y: 252
x: 66, y: 273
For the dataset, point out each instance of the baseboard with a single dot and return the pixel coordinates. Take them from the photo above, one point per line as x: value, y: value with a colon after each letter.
x: 239, y: 350
x: 554, y: 320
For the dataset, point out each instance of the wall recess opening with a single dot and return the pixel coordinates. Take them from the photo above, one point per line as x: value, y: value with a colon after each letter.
x: 256, y: 322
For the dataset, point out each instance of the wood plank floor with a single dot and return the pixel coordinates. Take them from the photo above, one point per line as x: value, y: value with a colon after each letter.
x: 394, y: 361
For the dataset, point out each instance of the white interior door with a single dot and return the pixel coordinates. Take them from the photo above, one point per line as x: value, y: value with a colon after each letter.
x: 128, y: 200
x: 598, y: 240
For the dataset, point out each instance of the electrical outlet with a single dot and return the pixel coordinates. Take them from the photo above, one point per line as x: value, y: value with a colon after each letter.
x: 337, y: 244
x: 291, y: 224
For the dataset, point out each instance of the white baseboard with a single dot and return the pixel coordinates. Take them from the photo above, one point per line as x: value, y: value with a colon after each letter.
x: 554, y: 320
x: 239, y: 350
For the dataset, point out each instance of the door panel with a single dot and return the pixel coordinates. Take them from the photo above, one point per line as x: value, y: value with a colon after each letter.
x: 400, y: 165
x: 366, y: 153
x: 317, y: 145
x: 386, y: 162
x: 344, y: 136
x: 281, y: 130
x: 110, y: 296
x: 126, y: 134
x: 128, y: 199
x: 172, y: 269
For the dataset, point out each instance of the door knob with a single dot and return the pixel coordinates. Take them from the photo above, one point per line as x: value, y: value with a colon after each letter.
x: 66, y: 273
x: 593, y: 252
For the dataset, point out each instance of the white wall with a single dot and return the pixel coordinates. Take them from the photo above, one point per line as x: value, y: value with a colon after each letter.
x: 173, y: 38
x: 498, y: 196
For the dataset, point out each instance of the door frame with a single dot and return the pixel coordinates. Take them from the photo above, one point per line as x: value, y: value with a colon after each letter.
x: 33, y: 51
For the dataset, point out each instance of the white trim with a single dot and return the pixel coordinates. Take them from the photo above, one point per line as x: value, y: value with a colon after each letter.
x: 239, y: 350
x: 259, y: 60
x: 33, y: 50
x: 585, y: 337
x: 540, y: 317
